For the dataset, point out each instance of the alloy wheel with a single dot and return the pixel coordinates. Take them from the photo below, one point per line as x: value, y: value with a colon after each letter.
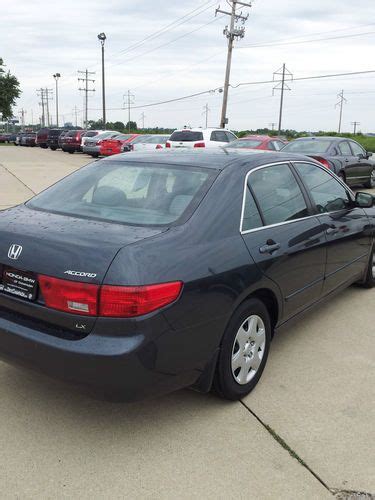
x: 248, y: 349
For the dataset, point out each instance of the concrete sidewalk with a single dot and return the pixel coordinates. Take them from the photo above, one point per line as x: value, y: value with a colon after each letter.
x: 307, y: 431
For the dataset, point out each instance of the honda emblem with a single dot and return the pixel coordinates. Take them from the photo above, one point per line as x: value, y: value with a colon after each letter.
x: 14, y: 252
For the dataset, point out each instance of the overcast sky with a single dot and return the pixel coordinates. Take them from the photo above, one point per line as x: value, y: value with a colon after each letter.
x: 42, y: 37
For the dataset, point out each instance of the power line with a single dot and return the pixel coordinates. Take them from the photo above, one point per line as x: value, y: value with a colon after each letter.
x: 178, y: 22
x: 279, y: 44
x: 213, y: 90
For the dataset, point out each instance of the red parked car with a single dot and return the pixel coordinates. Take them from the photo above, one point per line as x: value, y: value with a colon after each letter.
x: 116, y: 145
x: 71, y: 142
x: 264, y: 142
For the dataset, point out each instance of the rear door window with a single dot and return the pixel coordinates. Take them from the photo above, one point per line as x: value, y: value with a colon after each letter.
x: 278, y: 194
x: 251, y: 218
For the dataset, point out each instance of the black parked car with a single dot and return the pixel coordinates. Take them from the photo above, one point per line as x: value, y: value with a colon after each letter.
x: 142, y: 274
x: 343, y: 156
x: 53, y: 138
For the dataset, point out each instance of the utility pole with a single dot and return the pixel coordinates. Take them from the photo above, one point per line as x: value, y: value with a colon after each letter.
x: 205, y: 112
x: 48, y: 96
x: 130, y: 98
x: 102, y: 38
x: 234, y: 32
x: 75, y: 111
x: 272, y: 125
x: 56, y: 76
x: 341, y: 102
x: 22, y: 115
x: 40, y: 93
x: 355, y: 125
x: 282, y: 86
x: 143, y: 116
x: 86, y: 90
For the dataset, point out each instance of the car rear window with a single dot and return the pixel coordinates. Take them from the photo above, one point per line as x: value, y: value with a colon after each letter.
x: 308, y: 146
x: 186, y: 136
x: 142, y: 194
x: 54, y: 133
x: 90, y: 134
x: 245, y: 143
x: 72, y: 133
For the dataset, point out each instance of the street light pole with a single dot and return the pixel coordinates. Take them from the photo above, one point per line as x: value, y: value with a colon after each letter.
x: 102, y: 38
x: 56, y: 76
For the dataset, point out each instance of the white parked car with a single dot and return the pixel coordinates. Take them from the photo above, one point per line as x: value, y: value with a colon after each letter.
x: 150, y: 142
x: 200, y: 138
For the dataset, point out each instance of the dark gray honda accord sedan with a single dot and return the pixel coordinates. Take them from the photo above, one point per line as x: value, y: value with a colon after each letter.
x: 142, y: 274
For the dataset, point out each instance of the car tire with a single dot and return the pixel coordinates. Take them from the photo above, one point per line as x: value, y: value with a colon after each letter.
x: 244, y: 351
x: 369, y: 281
x: 371, y: 182
x: 53, y: 148
x: 95, y: 155
x: 71, y: 152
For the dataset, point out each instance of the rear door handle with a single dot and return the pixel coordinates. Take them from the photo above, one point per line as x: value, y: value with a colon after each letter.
x: 270, y: 248
x: 332, y: 230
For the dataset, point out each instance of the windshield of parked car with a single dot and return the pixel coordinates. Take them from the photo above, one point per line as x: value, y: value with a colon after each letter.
x: 245, y: 143
x: 308, y: 146
x: 156, y: 139
x: 134, y: 193
x: 186, y: 136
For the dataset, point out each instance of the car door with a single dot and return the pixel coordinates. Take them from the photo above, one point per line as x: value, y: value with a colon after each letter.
x: 349, y: 162
x: 287, y: 243
x: 364, y: 164
x: 346, y: 226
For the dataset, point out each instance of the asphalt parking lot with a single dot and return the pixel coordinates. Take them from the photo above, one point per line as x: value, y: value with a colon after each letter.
x: 307, y: 431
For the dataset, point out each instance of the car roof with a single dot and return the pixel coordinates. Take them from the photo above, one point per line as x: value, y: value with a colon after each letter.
x: 216, y: 159
x: 323, y: 137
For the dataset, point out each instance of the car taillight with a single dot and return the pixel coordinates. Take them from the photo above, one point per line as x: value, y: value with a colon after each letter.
x: 99, y: 142
x: 78, y: 137
x: 70, y: 296
x: 199, y: 145
x: 159, y: 146
x: 131, y: 301
x: 110, y: 301
x: 168, y: 145
x: 323, y: 161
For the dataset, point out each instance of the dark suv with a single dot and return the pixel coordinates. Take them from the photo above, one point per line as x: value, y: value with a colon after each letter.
x: 42, y: 138
x: 53, y: 138
x: 71, y: 142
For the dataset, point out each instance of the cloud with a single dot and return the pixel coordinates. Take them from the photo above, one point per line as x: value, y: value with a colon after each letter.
x: 190, y: 57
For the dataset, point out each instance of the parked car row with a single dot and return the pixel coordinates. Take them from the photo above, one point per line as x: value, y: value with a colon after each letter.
x: 345, y: 157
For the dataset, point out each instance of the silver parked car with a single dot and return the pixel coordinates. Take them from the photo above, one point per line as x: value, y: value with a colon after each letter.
x: 92, y: 144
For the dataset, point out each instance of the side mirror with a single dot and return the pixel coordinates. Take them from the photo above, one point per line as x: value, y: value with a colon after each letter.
x: 364, y: 200
x: 368, y: 154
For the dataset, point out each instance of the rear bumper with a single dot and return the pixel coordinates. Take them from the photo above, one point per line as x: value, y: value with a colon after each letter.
x: 122, y: 367
x: 91, y: 149
x: 71, y: 147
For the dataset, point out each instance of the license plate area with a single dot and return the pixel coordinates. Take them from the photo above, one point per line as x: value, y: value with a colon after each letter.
x: 21, y: 284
